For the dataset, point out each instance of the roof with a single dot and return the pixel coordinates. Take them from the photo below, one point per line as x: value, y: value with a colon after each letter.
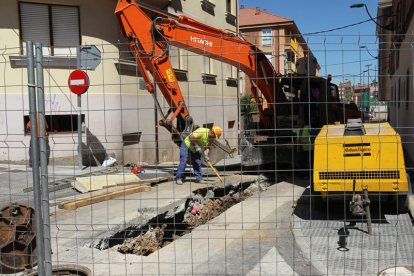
x: 253, y: 16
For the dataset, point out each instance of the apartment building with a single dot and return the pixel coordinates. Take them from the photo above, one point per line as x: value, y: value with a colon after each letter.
x: 117, y: 111
x: 277, y: 36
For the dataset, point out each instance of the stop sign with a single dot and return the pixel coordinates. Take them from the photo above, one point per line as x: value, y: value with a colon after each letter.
x: 78, y: 82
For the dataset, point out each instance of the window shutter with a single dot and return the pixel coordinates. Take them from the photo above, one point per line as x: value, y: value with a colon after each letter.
x: 35, y: 23
x: 65, y: 25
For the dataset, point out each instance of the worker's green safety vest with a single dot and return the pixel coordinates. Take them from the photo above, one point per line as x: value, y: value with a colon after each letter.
x: 303, y: 138
x: 201, y: 135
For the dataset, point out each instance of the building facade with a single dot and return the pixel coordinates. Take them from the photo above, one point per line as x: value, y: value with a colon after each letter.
x: 396, y: 67
x: 278, y: 37
x: 117, y: 111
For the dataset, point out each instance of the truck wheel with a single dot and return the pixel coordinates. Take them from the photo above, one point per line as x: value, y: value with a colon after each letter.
x: 403, y: 203
x: 316, y: 201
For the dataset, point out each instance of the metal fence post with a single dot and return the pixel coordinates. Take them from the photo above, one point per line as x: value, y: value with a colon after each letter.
x: 34, y: 148
x: 79, y: 114
x: 43, y: 158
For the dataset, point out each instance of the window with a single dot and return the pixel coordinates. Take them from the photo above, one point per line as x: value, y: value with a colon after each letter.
x: 228, y: 6
x: 208, y: 76
x: 231, y: 78
x: 58, y: 123
x: 266, y: 37
x: 207, y: 66
x: 177, y: 58
x: 230, y: 18
x: 55, y: 26
x: 178, y: 63
x: 231, y: 71
x: 290, y: 56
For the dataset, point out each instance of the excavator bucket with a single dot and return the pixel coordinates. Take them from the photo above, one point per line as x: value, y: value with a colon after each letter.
x: 266, y: 153
x: 255, y: 155
x: 220, y: 151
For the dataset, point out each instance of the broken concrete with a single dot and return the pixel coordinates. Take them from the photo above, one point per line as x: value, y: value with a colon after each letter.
x: 203, y: 205
x: 237, y: 241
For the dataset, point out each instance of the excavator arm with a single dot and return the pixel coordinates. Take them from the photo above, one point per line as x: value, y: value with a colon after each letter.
x: 149, y: 39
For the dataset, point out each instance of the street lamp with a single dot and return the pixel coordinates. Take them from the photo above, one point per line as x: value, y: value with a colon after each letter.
x: 366, y: 48
x: 360, y: 5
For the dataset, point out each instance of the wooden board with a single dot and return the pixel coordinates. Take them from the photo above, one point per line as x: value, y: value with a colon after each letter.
x: 111, y: 192
x: 84, y: 201
x: 86, y: 184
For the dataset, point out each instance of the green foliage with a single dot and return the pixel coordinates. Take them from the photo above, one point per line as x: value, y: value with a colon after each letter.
x: 247, y: 104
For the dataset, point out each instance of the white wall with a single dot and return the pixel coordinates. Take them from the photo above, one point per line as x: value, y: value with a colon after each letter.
x: 114, y: 103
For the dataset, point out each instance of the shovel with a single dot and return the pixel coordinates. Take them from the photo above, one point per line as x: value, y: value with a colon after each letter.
x: 215, y: 171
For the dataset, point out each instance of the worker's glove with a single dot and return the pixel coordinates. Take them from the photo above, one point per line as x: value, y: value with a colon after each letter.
x: 206, y: 158
x: 198, y: 149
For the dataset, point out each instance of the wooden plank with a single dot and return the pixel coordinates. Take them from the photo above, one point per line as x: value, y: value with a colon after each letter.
x: 154, y: 180
x: 74, y: 204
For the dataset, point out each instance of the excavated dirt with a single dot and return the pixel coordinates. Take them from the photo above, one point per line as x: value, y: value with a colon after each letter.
x: 211, y: 208
x: 144, y: 244
x: 195, y: 215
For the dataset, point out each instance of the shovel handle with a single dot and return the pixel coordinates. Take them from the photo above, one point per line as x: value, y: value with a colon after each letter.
x: 215, y: 171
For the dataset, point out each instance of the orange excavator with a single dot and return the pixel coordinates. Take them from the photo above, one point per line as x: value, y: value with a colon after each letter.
x: 286, y: 97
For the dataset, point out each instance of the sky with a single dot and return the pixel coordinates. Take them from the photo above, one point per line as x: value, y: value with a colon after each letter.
x: 338, y: 52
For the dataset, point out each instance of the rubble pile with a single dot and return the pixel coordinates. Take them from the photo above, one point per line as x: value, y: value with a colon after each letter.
x: 203, y: 205
x: 200, y: 210
x: 144, y: 244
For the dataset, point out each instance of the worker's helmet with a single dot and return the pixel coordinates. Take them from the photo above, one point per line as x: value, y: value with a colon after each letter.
x: 217, y: 131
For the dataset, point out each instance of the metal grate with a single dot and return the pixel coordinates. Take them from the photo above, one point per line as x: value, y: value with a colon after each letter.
x: 391, y: 174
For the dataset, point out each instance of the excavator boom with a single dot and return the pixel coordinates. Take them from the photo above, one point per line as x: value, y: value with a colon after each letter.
x: 290, y: 100
x: 149, y: 40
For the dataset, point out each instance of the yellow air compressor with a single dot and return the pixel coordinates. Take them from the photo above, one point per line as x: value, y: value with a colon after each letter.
x: 355, y: 159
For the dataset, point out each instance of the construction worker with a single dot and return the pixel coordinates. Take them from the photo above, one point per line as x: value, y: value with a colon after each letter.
x: 28, y: 126
x: 195, y: 145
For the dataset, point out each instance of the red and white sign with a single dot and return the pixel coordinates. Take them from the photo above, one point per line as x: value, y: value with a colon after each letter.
x: 78, y: 82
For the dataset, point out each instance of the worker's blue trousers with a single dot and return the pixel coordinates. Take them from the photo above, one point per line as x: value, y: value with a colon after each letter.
x: 195, y: 161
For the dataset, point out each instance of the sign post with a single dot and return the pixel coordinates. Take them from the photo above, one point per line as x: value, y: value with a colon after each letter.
x: 78, y: 83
